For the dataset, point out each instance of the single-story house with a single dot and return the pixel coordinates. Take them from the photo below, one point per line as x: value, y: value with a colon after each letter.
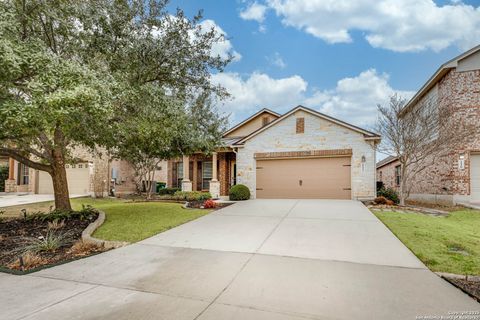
x: 300, y: 154
x: 453, y: 178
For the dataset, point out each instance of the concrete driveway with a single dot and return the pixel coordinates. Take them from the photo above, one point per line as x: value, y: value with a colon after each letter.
x: 261, y: 259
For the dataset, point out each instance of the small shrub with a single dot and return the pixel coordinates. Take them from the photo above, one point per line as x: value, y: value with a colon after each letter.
x: 389, y: 193
x: 191, y: 196
x: 239, y: 192
x: 28, y: 260
x: 389, y: 202
x: 48, y: 243
x: 83, y: 248
x: 55, y: 225
x: 86, y: 213
x: 380, y: 200
x: 168, y: 191
x: 209, y: 204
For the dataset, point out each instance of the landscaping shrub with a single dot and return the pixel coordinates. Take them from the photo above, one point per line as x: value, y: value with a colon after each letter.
x: 191, y: 196
x: 239, y: 192
x: 86, y: 213
x: 209, y: 204
x: 389, y: 193
x: 169, y: 191
x: 380, y: 200
x: 48, y: 243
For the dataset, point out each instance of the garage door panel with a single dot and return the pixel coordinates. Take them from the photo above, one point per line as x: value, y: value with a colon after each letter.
x: 78, y: 181
x: 317, y: 178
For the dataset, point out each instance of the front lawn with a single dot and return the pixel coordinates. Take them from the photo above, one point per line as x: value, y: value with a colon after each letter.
x: 445, y: 244
x: 125, y: 221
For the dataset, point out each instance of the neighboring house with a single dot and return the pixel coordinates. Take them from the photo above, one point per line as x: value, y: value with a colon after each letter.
x: 389, y: 173
x: 300, y: 154
x: 454, y: 178
x: 90, y: 175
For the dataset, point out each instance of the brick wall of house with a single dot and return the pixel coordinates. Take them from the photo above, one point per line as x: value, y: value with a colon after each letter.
x: 460, y: 90
x: 386, y: 174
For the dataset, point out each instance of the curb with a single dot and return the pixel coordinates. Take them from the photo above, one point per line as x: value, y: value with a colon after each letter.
x: 458, y: 276
x: 87, y: 234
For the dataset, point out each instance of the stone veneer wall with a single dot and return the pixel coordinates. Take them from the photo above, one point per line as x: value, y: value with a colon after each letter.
x: 319, y: 134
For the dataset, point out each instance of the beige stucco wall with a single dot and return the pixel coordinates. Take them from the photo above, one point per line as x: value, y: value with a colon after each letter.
x: 319, y: 134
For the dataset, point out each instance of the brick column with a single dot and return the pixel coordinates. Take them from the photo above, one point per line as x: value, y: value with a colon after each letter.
x: 10, y: 183
x: 186, y: 183
x: 214, y: 183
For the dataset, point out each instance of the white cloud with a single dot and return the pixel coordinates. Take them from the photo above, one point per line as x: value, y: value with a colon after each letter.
x: 277, y: 60
x: 353, y: 99
x: 224, y: 47
x: 258, y: 91
x: 398, y: 25
x: 254, y: 11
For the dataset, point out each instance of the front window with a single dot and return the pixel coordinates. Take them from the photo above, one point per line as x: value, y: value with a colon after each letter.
x: 23, y: 176
x: 179, y: 173
x: 398, y: 176
x: 380, y: 176
x: 206, y: 174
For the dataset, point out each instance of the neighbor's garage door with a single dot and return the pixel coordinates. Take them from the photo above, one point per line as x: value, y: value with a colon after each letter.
x: 78, y: 177
x: 308, y: 178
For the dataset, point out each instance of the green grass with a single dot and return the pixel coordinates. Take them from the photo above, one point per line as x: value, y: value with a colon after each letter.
x: 445, y: 244
x: 127, y: 221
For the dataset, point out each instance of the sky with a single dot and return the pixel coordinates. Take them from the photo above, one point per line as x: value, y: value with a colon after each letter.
x: 338, y: 57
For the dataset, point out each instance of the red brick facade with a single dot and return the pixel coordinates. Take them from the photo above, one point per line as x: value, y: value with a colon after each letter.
x: 461, y: 91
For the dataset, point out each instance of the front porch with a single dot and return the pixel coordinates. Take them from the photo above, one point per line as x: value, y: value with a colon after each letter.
x: 214, y: 173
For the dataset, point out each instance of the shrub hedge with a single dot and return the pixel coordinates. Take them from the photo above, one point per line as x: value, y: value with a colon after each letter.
x: 170, y: 191
x: 389, y: 193
x: 239, y: 192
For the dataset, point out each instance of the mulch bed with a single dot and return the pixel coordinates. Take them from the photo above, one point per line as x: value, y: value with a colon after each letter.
x: 470, y: 287
x: 15, y: 234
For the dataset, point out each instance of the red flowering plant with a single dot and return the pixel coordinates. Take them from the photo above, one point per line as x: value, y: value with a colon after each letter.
x: 209, y: 204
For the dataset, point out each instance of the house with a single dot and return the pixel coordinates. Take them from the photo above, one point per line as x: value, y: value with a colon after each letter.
x: 455, y: 178
x: 300, y: 154
x: 91, y: 174
x: 388, y: 173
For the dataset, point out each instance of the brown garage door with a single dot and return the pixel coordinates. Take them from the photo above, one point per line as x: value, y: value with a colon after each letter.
x: 310, y: 178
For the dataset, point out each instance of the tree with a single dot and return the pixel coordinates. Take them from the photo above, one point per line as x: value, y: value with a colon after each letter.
x: 418, y: 136
x: 67, y: 67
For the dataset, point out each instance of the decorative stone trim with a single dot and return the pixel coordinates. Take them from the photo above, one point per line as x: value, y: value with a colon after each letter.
x: 303, y: 154
x: 87, y: 234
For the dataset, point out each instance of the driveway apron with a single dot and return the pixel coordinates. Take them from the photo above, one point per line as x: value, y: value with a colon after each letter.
x: 258, y: 259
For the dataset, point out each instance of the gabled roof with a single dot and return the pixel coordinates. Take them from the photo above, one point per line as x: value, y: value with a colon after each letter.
x: 366, y: 133
x: 386, y: 161
x: 444, y: 69
x: 251, y: 118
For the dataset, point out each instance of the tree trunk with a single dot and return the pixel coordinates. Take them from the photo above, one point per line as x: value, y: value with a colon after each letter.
x: 60, y: 184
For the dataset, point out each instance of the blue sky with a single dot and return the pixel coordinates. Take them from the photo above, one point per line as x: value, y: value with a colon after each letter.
x: 338, y: 59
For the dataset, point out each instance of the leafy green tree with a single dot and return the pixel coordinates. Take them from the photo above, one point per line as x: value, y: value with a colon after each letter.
x: 68, y: 70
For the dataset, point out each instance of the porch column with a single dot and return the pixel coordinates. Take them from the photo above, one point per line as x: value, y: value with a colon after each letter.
x: 186, y: 183
x: 11, y: 169
x: 10, y: 184
x: 214, y: 183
